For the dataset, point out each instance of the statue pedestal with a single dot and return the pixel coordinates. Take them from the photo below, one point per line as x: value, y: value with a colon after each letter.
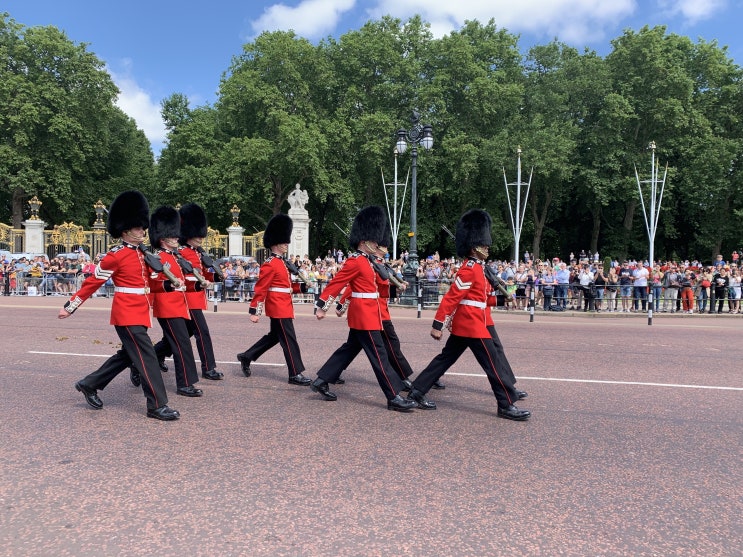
x: 235, y: 240
x: 34, y: 235
x: 300, y: 243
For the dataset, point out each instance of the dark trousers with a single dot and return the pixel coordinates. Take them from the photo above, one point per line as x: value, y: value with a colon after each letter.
x: 501, y: 362
x: 176, y: 333
x: 372, y: 344
x: 486, y: 355
x: 281, y: 332
x: 348, y: 351
x: 198, y: 329
x: 137, y: 350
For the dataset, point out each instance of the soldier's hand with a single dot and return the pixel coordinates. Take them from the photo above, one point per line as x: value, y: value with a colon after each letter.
x: 63, y: 314
x: 320, y: 314
x: 254, y: 318
x: 436, y: 334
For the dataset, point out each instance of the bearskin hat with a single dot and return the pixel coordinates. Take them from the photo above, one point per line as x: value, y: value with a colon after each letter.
x: 473, y: 229
x: 129, y: 210
x: 278, y: 230
x: 193, y: 222
x: 165, y: 222
x: 368, y: 226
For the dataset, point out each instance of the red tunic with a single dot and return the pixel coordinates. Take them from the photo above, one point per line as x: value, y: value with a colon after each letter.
x: 383, y: 287
x: 468, y: 319
x: 125, y: 266
x: 196, y: 299
x: 364, y: 311
x: 273, y: 290
x: 169, y: 304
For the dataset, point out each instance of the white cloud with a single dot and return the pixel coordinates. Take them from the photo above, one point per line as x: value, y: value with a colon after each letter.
x: 139, y: 105
x: 310, y: 19
x: 692, y: 10
x: 572, y: 21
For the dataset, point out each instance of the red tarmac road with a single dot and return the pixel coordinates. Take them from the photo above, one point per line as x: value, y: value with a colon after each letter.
x: 633, y: 449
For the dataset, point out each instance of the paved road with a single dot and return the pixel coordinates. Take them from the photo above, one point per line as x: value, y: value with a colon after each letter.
x: 634, y: 447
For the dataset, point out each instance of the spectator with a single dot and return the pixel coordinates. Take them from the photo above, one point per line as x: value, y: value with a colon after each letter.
x: 656, y: 278
x: 687, y: 291
x: 640, y: 283
x: 720, y: 281
x: 625, y: 286
x: 612, y: 287
x: 599, y: 281
x: 734, y: 291
x: 671, y: 282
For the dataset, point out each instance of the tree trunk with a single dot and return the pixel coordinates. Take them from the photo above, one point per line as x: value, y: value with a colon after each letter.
x: 540, y: 219
x: 19, y: 196
x: 596, y: 213
x: 629, y: 216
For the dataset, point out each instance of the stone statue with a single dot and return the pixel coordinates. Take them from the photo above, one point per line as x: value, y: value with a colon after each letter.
x: 298, y: 198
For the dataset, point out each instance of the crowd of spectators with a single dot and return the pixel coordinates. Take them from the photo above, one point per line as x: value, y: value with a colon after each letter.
x: 584, y: 282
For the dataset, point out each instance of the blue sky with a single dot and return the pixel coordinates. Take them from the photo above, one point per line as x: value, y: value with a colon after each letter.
x: 156, y: 48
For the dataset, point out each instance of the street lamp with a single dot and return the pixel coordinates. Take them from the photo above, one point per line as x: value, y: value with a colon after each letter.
x: 235, y: 212
x: 35, y: 205
x: 100, y: 208
x: 422, y: 135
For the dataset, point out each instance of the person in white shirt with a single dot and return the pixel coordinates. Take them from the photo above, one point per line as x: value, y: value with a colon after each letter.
x: 640, y: 283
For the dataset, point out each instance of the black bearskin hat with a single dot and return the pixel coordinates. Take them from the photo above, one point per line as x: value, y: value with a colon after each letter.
x: 278, y: 230
x: 164, y: 223
x: 473, y: 229
x: 129, y: 210
x: 369, y: 225
x: 193, y: 222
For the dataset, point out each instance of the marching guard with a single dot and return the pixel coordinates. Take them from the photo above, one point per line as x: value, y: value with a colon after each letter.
x: 273, y: 295
x: 193, y: 233
x: 364, y: 312
x: 170, y: 307
x: 463, y: 309
x: 129, y: 267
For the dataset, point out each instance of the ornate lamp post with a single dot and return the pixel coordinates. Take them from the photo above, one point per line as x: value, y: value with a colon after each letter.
x: 418, y: 134
x: 235, y: 212
x: 100, y: 209
x: 35, y: 205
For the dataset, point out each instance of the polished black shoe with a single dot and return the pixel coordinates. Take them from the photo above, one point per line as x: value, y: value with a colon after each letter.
x: 245, y: 363
x: 438, y: 385
x: 513, y: 413
x: 399, y: 404
x: 190, y: 391
x: 406, y: 385
x: 161, y: 363
x: 420, y: 399
x: 300, y: 380
x: 164, y: 413
x: 91, y: 395
x: 321, y: 387
x: 134, y: 377
x: 212, y: 374
x: 340, y: 381
x: 521, y: 394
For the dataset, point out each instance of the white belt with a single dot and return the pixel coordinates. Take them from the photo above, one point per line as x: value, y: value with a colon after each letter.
x: 481, y: 305
x: 282, y: 290
x: 365, y: 294
x: 127, y: 290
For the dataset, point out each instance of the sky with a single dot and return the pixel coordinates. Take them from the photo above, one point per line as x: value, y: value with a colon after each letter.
x: 156, y: 48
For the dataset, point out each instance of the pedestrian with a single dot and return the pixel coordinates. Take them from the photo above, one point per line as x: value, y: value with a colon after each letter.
x: 463, y: 310
x: 364, y: 311
x: 128, y: 266
x: 273, y: 296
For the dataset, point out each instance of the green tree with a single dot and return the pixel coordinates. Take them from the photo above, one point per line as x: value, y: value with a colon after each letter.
x: 61, y: 136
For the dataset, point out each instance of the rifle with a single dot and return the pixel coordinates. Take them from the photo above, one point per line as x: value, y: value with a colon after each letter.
x: 153, y: 262
x: 292, y: 268
x: 209, y: 262
x: 188, y: 267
